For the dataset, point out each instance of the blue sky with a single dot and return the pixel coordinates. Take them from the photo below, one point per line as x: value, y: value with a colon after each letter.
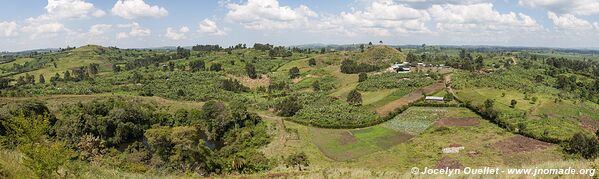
x: 30, y: 24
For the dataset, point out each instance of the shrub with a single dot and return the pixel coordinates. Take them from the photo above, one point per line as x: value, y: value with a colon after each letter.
x: 362, y: 77
x: 294, y: 72
x: 354, y: 98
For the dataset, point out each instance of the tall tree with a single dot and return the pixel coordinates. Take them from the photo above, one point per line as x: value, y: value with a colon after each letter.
x: 42, y: 80
x: 354, y: 98
x: 251, y: 71
x: 294, y: 72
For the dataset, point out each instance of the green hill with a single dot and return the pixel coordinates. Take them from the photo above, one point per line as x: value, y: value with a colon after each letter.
x: 381, y: 55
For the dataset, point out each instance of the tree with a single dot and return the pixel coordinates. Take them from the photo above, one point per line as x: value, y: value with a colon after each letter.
x: 297, y: 160
x: 116, y: 68
x: 448, y: 97
x: 197, y: 65
x: 288, y: 107
x: 586, y: 146
x: 513, y: 103
x: 171, y: 66
x: 479, y: 62
x: 294, y: 72
x: 45, y: 159
x: 4, y: 83
x: 42, y: 80
x: 489, y: 104
x: 354, y: 98
x: 216, y: 67
x: 93, y: 68
x: 316, y: 85
x: 362, y: 77
x: 312, y: 62
x: 251, y: 71
x: 67, y: 75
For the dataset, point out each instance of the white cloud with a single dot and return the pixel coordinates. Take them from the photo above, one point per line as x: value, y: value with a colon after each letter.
x: 136, y: 31
x: 380, y: 18
x: 176, y: 34
x: 210, y: 27
x: 37, y: 29
x: 131, y: 9
x: 99, y: 29
x: 577, y: 7
x: 268, y: 14
x: 569, y: 21
x: 57, y: 11
x: 65, y: 9
x: 480, y: 18
x: 8, y: 29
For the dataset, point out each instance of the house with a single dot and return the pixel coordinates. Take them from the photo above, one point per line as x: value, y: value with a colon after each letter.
x: 434, y: 99
x: 401, y: 68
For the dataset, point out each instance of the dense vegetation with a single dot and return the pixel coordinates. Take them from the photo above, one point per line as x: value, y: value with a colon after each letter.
x: 317, y: 87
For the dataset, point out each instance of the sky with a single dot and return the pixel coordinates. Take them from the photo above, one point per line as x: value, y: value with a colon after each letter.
x: 33, y: 24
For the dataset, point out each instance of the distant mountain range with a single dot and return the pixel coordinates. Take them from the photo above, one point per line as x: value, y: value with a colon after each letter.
x: 357, y: 46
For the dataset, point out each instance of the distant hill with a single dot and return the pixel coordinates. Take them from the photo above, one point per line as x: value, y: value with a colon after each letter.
x: 381, y: 55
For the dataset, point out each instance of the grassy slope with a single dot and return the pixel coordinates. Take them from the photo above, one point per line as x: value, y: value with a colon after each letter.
x: 420, y: 151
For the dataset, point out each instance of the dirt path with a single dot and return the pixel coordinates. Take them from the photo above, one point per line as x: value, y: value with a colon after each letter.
x: 447, y: 79
x: 412, y: 97
x: 279, y: 138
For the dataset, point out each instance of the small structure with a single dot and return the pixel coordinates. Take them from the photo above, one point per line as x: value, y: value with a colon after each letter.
x: 401, y: 67
x: 453, y: 148
x: 434, y: 99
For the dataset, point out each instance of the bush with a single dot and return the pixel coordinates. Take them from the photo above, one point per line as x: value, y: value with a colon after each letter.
x: 288, y: 107
x: 354, y: 98
x: 362, y: 77
x: 297, y: 160
x: 586, y: 146
x: 351, y: 67
x: 294, y: 73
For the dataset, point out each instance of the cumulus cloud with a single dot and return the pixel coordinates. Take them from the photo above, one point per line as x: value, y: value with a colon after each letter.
x: 135, y: 31
x: 131, y: 9
x: 99, y: 29
x: 381, y: 18
x: 268, y: 14
x: 57, y: 11
x: 51, y: 28
x: 8, y: 29
x: 479, y: 17
x: 577, y: 7
x: 210, y: 27
x: 176, y: 34
x: 569, y: 21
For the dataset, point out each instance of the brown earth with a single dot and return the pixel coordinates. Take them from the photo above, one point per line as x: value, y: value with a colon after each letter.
x: 458, y: 122
x: 347, y: 138
x: 263, y: 80
x: 589, y: 124
x: 407, y: 99
x: 518, y: 144
x: 447, y: 162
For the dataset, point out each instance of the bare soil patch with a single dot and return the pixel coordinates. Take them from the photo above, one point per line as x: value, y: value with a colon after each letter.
x: 447, y: 162
x: 347, y: 138
x: 519, y: 144
x: 262, y: 80
x: 412, y: 97
x: 458, y: 122
x: 589, y: 124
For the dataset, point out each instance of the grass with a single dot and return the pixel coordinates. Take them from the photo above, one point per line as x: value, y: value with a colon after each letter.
x: 367, y: 153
